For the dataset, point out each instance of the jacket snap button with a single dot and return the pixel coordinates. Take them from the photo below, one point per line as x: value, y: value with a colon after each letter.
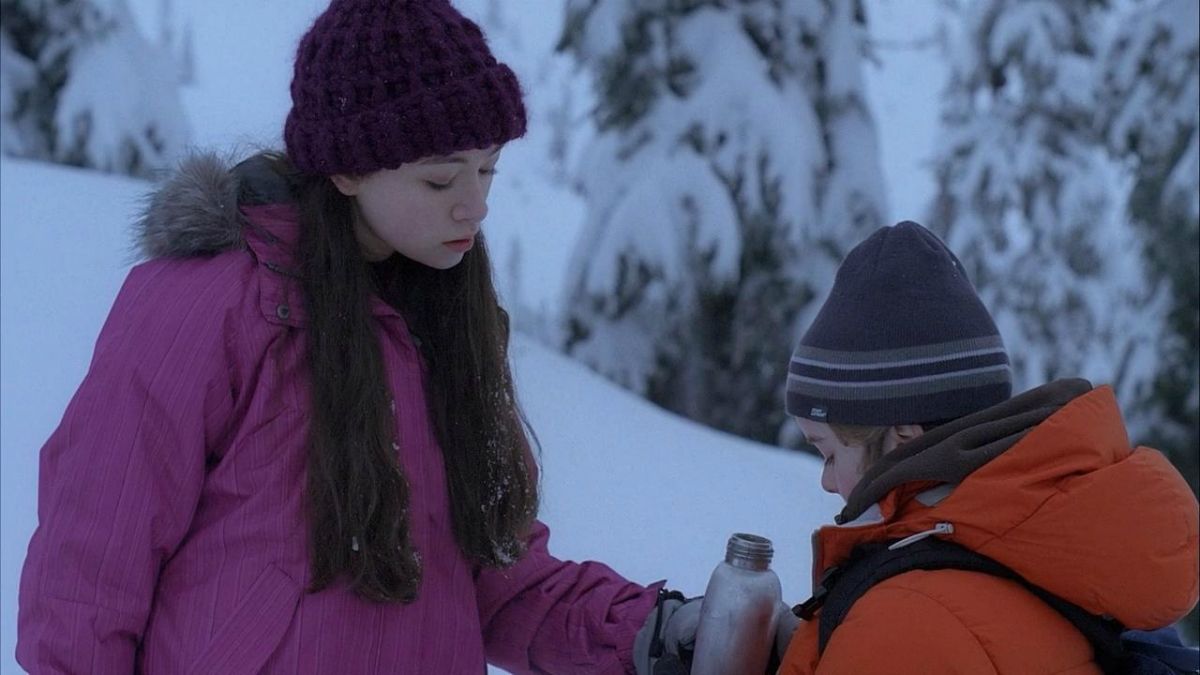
x: 283, y: 311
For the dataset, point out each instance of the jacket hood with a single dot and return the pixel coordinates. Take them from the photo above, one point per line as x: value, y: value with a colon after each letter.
x: 1062, y: 500
x: 196, y: 211
x: 951, y: 452
x: 209, y: 205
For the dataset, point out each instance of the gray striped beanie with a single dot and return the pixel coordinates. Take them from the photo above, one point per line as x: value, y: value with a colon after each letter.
x: 902, y: 339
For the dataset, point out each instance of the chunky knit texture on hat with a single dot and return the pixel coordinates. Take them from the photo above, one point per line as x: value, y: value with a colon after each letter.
x: 379, y: 83
x: 902, y: 339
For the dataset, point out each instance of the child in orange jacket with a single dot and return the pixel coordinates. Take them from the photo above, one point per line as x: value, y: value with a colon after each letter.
x: 903, y: 384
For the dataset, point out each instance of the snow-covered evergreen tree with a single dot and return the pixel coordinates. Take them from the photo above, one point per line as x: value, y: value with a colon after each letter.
x: 180, y: 49
x: 166, y: 24
x: 1032, y: 203
x: 101, y: 96
x: 735, y: 163
x: 535, y: 199
x: 1150, y: 108
x: 187, y: 57
x: 17, y: 76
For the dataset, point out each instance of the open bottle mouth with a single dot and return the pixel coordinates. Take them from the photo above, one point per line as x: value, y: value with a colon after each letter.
x: 749, y: 551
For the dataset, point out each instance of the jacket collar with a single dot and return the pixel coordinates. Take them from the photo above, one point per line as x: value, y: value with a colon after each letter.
x: 209, y: 206
x: 951, y: 452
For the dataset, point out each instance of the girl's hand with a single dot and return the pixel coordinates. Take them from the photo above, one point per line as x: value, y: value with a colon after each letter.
x: 666, y: 641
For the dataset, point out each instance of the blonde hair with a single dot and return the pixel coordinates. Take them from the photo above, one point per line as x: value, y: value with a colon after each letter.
x: 870, y: 438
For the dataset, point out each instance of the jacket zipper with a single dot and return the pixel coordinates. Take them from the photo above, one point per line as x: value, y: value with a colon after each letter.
x: 940, y: 528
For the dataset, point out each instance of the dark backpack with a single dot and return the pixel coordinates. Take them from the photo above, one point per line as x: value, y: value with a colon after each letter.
x: 1117, y: 650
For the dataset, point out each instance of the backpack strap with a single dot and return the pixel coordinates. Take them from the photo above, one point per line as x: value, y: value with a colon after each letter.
x: 870, y: 564
x: 1160, y: 651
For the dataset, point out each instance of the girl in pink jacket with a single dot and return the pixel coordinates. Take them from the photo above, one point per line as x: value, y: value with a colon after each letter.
x: 297, y: 449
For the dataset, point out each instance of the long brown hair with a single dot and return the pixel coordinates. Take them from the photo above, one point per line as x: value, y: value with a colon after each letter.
x: 357, y: 494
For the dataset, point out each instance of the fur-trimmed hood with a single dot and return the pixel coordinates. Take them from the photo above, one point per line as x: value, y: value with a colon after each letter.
x: 195, y: 210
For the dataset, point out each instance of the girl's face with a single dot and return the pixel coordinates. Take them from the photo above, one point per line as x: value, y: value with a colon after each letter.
x: 843, y: 463
x: 428, y: 210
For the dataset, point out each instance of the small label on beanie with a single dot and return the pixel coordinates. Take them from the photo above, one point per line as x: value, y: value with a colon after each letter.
x: 817, y: 413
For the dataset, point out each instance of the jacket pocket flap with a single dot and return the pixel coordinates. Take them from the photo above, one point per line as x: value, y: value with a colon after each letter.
x: 254, y: 631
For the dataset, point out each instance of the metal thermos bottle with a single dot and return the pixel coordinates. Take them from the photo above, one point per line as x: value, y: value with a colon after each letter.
x: 738, y: 614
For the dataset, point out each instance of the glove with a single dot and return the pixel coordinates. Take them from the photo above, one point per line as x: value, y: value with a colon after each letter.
x: 786, y: 623
x: 665, y: 643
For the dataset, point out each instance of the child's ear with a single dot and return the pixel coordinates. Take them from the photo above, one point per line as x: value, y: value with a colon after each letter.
x: 347, y: 185
x: 907, y: 432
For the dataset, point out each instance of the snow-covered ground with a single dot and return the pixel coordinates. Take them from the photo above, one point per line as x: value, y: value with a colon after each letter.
x: 651, y: 494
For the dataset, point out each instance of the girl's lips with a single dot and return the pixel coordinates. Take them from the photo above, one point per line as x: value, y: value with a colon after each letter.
x: 460, y: 245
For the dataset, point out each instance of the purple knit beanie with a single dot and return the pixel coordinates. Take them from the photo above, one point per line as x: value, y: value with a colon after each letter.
x: 379, y: 83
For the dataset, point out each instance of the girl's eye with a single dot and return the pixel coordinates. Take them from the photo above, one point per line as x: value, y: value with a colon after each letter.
x: 438, y: 186
x: 488, y: 172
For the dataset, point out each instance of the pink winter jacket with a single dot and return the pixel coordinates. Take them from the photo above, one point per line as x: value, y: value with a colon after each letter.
x: 172, y: 533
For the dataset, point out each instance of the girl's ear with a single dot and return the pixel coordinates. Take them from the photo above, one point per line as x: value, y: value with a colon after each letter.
x: 347, y: 185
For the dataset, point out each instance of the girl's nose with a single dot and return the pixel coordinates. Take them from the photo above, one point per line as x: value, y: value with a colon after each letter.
x: 472, y: 204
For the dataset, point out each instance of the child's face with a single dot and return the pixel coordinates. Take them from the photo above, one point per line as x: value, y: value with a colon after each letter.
x: 429, y: 210
x: 843, y: 463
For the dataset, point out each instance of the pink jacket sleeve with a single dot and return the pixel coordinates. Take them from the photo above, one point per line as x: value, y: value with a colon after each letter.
x: 544, y: 615
x: 121, y: 476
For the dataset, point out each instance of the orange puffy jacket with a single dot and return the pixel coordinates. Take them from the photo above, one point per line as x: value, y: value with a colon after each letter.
x: 1070, y: 506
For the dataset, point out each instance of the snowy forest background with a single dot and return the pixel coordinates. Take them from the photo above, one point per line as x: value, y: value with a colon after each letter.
x: 695, y: 169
